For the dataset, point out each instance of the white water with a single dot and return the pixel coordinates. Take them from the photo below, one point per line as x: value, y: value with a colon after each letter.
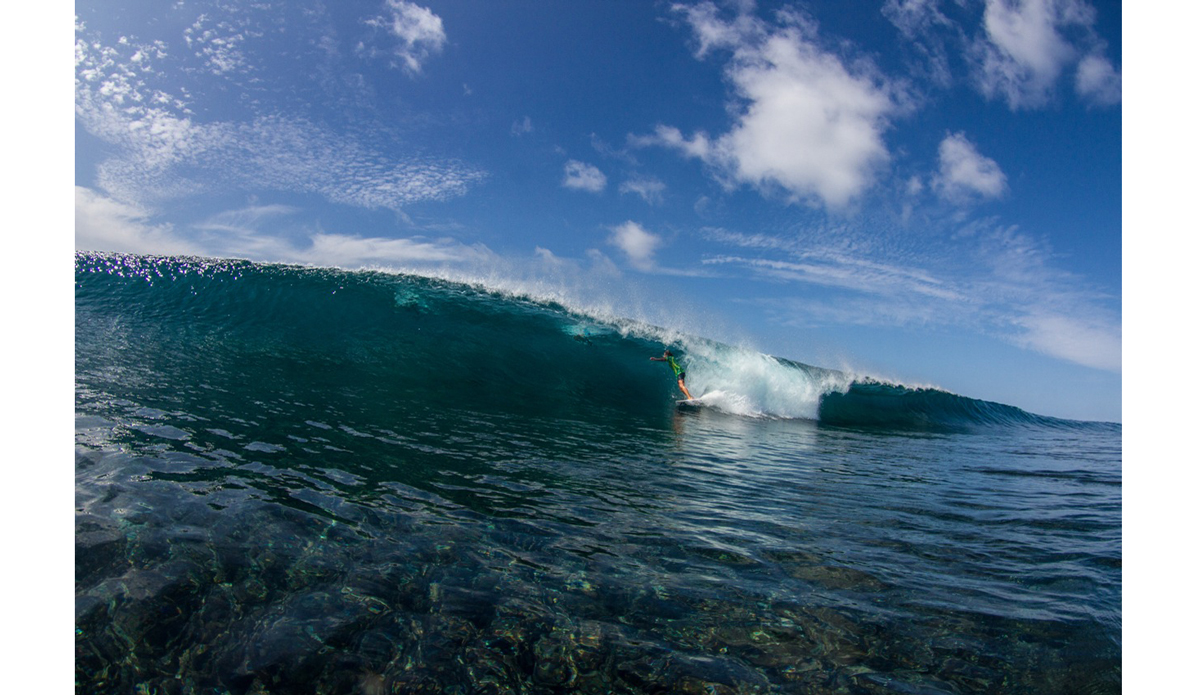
x: 746, y: 382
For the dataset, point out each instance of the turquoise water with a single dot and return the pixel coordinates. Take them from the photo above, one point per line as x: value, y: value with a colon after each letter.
x: 311, y: 480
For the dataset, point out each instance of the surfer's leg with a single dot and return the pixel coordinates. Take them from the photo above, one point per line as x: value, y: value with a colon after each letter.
x: 683, y: 388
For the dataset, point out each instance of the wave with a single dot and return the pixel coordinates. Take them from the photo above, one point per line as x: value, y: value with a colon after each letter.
x: 441, y: 344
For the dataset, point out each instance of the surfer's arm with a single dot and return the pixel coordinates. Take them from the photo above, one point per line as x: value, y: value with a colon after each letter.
x: 658, y: 359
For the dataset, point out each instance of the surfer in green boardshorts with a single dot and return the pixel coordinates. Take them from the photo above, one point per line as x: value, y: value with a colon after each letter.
x: 669, y: 358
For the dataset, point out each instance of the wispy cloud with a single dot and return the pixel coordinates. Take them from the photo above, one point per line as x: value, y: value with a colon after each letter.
x: 807, y: 126
x: 1038, y: 306
x: 355, y: 251
x: 245, y: 232
x: 809, y: 310
x: 247, y: 219
x: 931, y: 34
x: 261, y: 233
x: 522, y: 127
x: 104, y: 224
x: 987, y: 278
x: 648, y: 188
x: 848, y: 272
x: 1089, y: 341
x: 583, y: 177
x: 163, y: 152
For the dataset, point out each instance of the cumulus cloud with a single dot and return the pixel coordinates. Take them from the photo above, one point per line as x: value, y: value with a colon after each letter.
x: 698, y: 145
x: 1024, y: 53
x: 806, y: 125
x: 583, y: 177
x: 418, y: 30
x: 638, y: 244
x: 1018, y: 53
x: 964, y: 174
x: 1097, y: 81
x: 1027, y: 45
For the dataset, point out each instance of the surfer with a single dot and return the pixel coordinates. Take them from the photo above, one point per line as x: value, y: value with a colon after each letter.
x: 669, y: 358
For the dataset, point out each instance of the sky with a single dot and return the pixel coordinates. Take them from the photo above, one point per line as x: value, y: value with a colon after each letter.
x: 926, y: 192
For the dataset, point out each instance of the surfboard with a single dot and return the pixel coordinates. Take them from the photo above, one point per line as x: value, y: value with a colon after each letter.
x: 689, y: 403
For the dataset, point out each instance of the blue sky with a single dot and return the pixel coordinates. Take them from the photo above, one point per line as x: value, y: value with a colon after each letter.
x: 924, y: 191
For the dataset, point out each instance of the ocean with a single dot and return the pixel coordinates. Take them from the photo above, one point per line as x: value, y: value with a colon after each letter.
x: 308, y: 480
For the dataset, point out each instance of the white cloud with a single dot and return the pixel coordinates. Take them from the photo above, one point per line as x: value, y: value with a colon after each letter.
x: 163, y: 153
x: 522, y: 127
x: 244, y: 233
x: 649, y: 188
x: 638, y: 244
x: 930, y: 30
x: 547, y: 256
x: 1045, y: 309
x: 698, y: 145
x: 988, y: 279
x: 964, y: 173
x: 219, y: 47
x: 913, y: 17
x: 583, y: 177
x: 354, y: 251
x: 713, y: 32
x: 1097, y: 81
x: 172, y: 157
x: 811, y: 311
x: 104, y: 224
x: 255, y: 232
x: 246, y: 220
x: 419, y: 30
x: 1024, y: 53
x: 1018, y: 54
x: 609, y: 152
x: 806, y: 124
x: 1028, y: 44
x: 832, y: 269
x: 1083, y: 340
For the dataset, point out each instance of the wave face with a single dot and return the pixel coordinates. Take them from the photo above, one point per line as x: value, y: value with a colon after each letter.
x: 870, y: 403
x: 452, y: 345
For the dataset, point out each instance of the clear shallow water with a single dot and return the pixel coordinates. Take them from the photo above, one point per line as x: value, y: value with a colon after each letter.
x: 276, y: 495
